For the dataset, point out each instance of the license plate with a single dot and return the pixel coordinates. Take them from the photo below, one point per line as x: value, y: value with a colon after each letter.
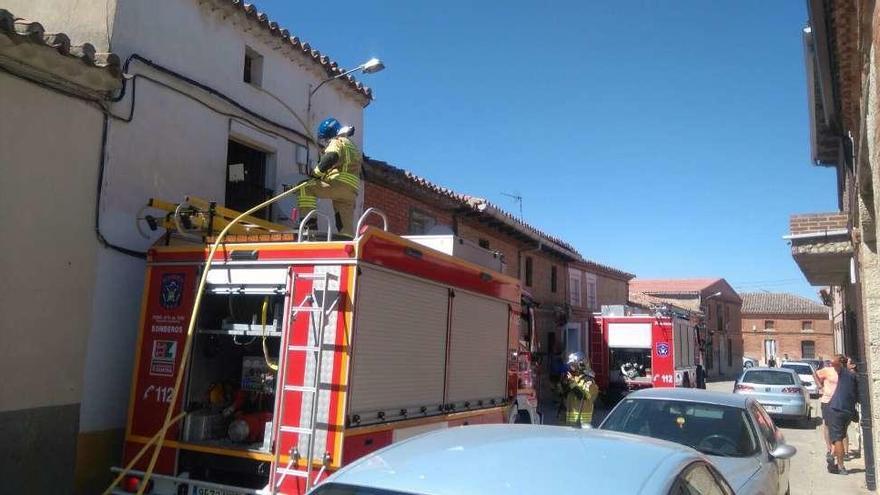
x: 771, y: 409
x: 200, y: 490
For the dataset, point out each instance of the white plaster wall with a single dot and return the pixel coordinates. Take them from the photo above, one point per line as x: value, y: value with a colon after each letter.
x: 176, y: 145
x: 49, y: 154
x: 85, y: 21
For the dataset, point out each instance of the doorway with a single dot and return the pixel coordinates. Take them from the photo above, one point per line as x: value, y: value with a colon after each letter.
x: 769, y: 349
x: 246, y: 179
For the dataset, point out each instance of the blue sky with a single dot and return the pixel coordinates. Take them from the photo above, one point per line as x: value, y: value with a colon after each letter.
x: 669, y: 139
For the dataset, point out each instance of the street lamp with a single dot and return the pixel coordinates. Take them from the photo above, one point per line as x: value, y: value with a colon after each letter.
x: 369, y: 67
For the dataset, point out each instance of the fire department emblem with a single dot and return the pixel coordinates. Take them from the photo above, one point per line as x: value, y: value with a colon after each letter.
x: 171, y: 290
x: 662, y: 349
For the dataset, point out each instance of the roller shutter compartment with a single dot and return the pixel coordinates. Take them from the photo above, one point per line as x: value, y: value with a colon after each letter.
x: 399, y: 347
x: 478, y: 350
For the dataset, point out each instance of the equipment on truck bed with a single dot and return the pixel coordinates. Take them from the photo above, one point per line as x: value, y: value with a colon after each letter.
x: 374, y: 340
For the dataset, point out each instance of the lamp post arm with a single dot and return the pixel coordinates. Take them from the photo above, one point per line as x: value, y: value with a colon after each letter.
x: 334, y: 78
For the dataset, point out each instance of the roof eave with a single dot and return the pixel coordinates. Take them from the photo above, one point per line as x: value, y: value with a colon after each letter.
x: 543, y: 242
x: 304, y: 50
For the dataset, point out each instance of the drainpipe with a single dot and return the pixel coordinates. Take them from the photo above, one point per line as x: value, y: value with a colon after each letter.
x: 867, y: 425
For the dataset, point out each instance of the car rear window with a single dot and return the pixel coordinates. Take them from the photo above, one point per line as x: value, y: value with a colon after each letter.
x: 712, y: 429
x: 800, y: 369
x: 768, y: 377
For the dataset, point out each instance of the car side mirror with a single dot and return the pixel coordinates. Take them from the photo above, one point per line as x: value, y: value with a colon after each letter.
x: 783, y: 451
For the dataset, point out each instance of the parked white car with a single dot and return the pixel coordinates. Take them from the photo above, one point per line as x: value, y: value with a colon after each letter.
x: 749, y: 362
x: 734, y: 431
x: 807, y: 374
x: 527, y: 459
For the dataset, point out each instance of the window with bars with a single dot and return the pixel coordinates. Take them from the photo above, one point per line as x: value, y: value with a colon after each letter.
x: 808, y: 349
x: 769, y: 325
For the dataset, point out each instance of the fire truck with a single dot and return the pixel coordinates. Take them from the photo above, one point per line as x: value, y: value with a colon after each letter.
x: 308, y: 354
x: 640, y: 351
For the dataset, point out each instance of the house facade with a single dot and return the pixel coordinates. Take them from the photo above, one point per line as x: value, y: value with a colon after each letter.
x: 786, y: 327
x: 51, y: 91
x: 839, y: 248
x: 213, y: 105
x: 717, y: 306
x: 592, y: 285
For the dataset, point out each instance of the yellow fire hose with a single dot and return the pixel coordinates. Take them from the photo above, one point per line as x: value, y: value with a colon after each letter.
x: 140, y: 454
x: 159, y: 438
x: 269, y: 363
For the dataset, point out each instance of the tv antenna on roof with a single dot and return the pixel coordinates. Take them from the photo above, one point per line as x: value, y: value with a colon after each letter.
x: 519, y: 200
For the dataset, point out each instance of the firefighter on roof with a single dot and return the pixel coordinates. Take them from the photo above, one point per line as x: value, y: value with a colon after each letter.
x: 578, y: 390
x: 336, y: 176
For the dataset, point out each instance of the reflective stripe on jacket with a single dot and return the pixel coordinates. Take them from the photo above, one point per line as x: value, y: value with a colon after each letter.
x: 347, y: 170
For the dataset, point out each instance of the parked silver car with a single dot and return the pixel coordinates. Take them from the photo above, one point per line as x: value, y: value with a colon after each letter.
x: 528, y: 459
x: 807, y: 373
x: 779, y: 390
x: 734, y: 431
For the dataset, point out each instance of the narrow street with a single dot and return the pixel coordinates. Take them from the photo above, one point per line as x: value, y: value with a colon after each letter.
x: 808, y: 474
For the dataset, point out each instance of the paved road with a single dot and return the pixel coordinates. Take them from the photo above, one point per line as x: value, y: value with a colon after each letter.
x: 808, y: 474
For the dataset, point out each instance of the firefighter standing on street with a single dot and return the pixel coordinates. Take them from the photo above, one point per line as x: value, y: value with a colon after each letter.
x: 336, y: 176
x: 579, y: 390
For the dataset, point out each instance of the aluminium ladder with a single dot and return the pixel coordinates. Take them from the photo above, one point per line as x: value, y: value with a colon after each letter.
x: 315, y: 306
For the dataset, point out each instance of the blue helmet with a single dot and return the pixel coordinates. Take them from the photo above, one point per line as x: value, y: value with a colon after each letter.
x: 329, y: 128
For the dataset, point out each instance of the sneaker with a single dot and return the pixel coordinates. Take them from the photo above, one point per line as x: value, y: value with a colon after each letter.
x: 829, y: 462
x: 833, y: 469
x: 842, y: 471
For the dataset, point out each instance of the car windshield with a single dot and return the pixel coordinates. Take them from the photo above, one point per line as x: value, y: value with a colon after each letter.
x: 340, y: 489
x: 768, y: 377
x: 710, y: 428
x: 800, y: 369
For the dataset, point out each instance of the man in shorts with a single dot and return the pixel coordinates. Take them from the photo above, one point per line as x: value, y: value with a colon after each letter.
x: 827, y: 378
x: 841, y: 410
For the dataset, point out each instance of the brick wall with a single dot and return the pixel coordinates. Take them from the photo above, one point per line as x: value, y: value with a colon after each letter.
x: 611, y: 291
x: 788, y: 335
x: 726, y: 356
x: 474, y: 231
x: 541, y: 268
x: 397, y: 206
x: 817, y: 222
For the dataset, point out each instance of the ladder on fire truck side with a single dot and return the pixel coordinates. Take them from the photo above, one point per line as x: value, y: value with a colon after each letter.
x: 315, y: 306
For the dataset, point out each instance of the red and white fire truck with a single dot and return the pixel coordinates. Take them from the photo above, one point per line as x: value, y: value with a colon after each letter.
x: 308, y: 355
x: 640, y: 351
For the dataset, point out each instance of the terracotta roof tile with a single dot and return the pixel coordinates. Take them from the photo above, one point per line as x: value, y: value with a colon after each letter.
x: 400, y: 177
x: 672, y: 286
x: 647, y: 301
x: 330, y: 67
x: 19, y: 30
x: 780, y: 303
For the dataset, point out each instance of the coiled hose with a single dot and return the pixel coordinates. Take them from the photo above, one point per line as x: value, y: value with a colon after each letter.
x: 159, y: 437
